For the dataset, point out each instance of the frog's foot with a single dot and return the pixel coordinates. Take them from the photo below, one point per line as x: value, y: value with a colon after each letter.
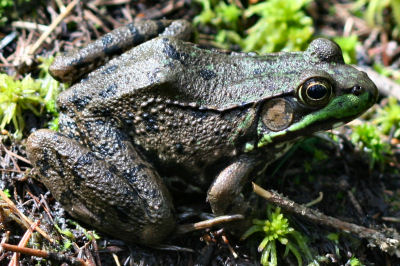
x: 97, y: 193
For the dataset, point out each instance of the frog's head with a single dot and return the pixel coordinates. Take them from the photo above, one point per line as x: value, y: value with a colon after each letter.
x: 326, y: 93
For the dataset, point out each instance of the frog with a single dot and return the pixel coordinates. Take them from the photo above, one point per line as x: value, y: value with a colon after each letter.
x: 146, y: 105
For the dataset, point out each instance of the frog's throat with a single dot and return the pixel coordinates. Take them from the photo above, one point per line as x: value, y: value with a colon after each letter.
x: 341, y: 109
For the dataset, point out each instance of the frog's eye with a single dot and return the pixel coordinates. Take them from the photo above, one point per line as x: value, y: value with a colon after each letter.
x: 315, y: 92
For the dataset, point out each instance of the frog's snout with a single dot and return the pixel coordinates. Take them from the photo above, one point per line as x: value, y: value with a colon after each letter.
x: 362, y: 85
x: 369, y: 86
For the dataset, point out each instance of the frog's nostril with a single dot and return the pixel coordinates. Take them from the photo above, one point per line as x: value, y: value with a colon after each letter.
x: 357, y: 90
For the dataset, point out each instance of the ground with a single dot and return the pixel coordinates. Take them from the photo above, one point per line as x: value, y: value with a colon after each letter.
x: 353, y: 190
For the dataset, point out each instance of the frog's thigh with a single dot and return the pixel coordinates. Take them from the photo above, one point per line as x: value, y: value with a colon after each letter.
x: 224, y: 195
x: 98, y: 193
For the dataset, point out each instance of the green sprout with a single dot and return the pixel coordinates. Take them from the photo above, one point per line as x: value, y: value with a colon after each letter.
x: 389, y: 118
x: 348, y: 46
x: 354, y: 262
x: 265, y: 27
x: 276, y: 228
x: 367, y: 138
x: 27, y: 94
x: 7, y: 192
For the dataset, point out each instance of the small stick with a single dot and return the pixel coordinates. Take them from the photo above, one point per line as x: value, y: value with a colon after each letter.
x: 22, y: 243
x: 57, y: 257
x: 375, y: 238
x: 52, y: 26
x: 186, y: 228
x: 23, y: 217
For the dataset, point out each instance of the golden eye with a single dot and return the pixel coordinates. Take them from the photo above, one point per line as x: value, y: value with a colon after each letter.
x: 315, y: 92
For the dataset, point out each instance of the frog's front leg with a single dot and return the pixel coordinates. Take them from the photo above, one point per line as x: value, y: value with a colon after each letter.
x: 224, y: 195
x: 73, y: 65
x: 108, y: 186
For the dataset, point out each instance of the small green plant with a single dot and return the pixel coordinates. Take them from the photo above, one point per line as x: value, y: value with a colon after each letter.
x: 276, y: 228
x: 367, y: 138
x: 27, y: 94
x: 348, y: 46
x: 7, y: 192
x: 389, y: 118
x: 354, y: 262
x: 279, y: 25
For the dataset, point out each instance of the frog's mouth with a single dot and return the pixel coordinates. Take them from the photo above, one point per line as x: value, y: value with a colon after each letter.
x: 339, y: 111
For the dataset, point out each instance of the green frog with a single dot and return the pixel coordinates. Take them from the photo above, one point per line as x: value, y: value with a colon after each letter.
x: 157, y: 106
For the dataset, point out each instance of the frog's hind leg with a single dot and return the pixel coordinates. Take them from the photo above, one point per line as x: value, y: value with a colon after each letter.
x: 74, y: 65
x: 130, y: 203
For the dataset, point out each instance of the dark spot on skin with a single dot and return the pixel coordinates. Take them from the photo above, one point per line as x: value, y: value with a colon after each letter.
x: 107, y: 40
x: 113, y: 49
x: 207, y: 74
x: 109, y: 91
x: 179, y: 148
x: 109, y: 69
x: 106, y: 149
x: 78, y: 62
x: 43, y: 164
x: 337, y: 71
x: 171, y: 52
x: 98, y: 122
x: 80, y: 102
x: 257, y: 71
x: 86, y: 159
x: 132, y: 173
x: 150, y: 122
x: 79, y: 167
x: 137, y: 37
x: 199, y: 114
x: 113, y: 169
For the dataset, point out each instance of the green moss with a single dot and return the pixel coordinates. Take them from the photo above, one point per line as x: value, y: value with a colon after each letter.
x: 348, y: 46
x: 268, y: 26
x: 27, y: 94
x: 368, y: 139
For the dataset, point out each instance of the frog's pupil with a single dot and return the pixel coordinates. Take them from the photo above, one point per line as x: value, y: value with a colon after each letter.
x: 317, y: 91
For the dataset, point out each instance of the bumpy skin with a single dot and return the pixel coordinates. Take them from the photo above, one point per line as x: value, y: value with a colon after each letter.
x: 167, y: 107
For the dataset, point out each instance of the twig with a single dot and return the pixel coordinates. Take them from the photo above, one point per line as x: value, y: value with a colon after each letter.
x: 12, y: 206
x: 13, y: 154
x: 391, y: 219
x: 375, y: 238
x: 95, y: 249
x: 317, y: 200
x: 186, y: 228
x: 52, y: 26
x: 22, y: 243
x: 29, y: 25
x: 57, y: 257
x: 116, y: 260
